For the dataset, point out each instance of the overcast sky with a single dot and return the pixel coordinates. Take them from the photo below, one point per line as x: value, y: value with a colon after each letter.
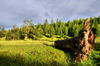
x: 16, y: 11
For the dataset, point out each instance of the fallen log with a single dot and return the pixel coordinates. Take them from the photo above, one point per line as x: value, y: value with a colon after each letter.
x: 82, y: 44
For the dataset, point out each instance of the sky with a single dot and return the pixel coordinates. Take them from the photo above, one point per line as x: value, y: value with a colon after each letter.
x: 16, y: 11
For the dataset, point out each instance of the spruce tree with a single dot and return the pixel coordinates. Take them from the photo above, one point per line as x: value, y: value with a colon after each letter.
x: 46, y: 27
x: 52, y: 31
x: 66, y: 30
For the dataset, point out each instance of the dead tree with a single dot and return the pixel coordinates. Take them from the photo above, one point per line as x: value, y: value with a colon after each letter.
x: 81, y: 44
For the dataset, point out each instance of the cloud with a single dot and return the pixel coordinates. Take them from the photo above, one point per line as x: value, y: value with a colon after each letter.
x: 16, y: 11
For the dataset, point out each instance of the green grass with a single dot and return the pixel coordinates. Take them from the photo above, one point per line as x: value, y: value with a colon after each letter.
x: 42, y: 53
x: 2, y: 39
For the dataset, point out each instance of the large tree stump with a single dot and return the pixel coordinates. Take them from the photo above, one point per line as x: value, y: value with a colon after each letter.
x: 81, y: 44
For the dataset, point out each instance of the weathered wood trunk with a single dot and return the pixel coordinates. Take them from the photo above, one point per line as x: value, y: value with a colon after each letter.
x: 26, y: 37
x: 82, y: 44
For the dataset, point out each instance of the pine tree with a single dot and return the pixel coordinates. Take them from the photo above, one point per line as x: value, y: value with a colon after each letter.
x: 46, y: 27
x: 2, y: 32
x: 52, y: 22
x: 56, y: 28
x: 99, y: 19
x: 52, y: 31
x: 66, y: 30
x: 17, y: 35
x: 95, y: 21
x: 9, y: 35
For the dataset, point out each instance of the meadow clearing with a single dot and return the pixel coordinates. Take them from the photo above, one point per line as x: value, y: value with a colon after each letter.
x: 42, y: 53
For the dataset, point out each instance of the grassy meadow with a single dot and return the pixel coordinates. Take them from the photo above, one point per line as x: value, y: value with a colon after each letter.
x: 42, y: 53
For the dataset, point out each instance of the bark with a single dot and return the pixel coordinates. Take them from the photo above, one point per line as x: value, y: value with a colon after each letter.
x: 25, y: 37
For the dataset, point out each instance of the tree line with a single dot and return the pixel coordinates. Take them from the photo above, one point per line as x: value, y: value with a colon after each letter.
x: 29, y: 30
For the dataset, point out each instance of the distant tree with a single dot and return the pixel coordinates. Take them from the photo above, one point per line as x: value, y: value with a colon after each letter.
x: 0, y: 27
x: 56, y: 28
x: 73, y: 28
x: 98, y: 30
x: 59, y: 31
x: 39, y: 30
x: 27, y: 24
x: 69, y: 24
x: 95, y: 21
x: 69, y: 28
x: 99, y: 19
x: 52, y: 31
x: 56, y: 25
x: 14, y: 27
x: 91, y: 22
x: 46, y: 27
x: 57, y: 21
x: 2, y: 32
x: 76, y: 21
x: 76, y: 33
x: 66, y: 30
x: 9, y: 35
x: 17, y: 35
x: 52, y: 22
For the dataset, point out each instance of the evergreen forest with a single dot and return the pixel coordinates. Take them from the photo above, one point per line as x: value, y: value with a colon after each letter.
x: 63, y: 29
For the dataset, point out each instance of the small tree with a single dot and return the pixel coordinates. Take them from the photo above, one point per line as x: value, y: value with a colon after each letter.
x: 27, y: 24
x: 14, y: 27
x: 2, y: 32
x: 46, y: 27
x: 8, y: 35
x: 66, y: 30
x: 17, y: 35
x: 52, y: 32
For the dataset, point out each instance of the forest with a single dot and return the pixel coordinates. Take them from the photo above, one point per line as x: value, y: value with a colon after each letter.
x: 63, y: 29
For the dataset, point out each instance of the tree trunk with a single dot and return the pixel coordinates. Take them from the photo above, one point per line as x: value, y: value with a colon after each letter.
x: 25, y: 37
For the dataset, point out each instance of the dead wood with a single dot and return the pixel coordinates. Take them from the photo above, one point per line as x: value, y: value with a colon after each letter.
x: 82, y: 44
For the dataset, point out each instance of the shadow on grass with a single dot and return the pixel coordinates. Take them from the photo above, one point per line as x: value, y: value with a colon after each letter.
x: 9, y: 61
x: 48, y: 45
x: 70, y: 53
x: 51, y: 41
x: 21, y: 61
x: 97, y: 47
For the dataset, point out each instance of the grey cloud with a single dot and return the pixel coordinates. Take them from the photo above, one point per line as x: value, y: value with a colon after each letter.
x: 16, y: 11
x: 46, y: 14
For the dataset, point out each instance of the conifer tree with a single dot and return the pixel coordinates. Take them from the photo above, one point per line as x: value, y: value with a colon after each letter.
x: 52, y: 32
x: 46, y: 27
x: 9, y: 35
x: 66, y: 30
x: 2, y: 32
x: 99, y: 19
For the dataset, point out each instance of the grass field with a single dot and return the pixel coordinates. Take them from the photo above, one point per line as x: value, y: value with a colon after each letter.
x: 42, y: 53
